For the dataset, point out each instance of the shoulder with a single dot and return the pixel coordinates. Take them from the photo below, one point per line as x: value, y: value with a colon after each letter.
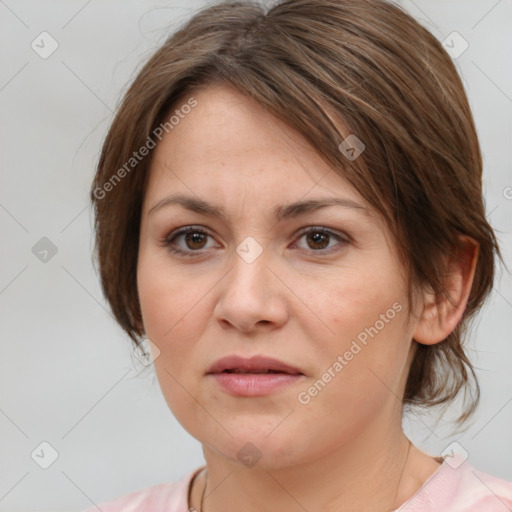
x: 482, y: 491
x: 458, y: 487
x: 171, y: 496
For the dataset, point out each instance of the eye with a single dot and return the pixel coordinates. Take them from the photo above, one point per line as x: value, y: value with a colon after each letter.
x: 318, y: 239
x: 187, y: 240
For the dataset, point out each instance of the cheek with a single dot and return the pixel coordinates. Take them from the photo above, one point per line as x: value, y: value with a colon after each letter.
x: 176, y: 308
x: 166, y: 295
x: 368, y: 333
x: 173, y: 320
x: 167, y: 306
x: 362, y: 301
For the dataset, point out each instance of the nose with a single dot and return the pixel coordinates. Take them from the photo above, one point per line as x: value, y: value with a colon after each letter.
x: 251, y: 297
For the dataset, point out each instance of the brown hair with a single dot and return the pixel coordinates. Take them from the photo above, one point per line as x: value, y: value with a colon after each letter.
x: 312, y: 63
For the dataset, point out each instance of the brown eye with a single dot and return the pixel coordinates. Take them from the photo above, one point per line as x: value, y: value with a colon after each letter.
x: 195, y: 240
x: 188, y: 241
x: 317, y: 240
x: 321, y: 240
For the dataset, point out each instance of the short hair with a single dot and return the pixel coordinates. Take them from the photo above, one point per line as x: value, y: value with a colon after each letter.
x: 312, y: 63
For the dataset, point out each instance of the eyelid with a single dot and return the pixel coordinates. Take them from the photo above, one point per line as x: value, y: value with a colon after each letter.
x: 341, y: 235
x: 187, y: 229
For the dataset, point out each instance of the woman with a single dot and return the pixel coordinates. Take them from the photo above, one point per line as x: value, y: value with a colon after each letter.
x: 289, y: 210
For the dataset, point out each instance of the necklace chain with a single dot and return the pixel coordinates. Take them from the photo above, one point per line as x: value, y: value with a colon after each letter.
x: 409, y: 444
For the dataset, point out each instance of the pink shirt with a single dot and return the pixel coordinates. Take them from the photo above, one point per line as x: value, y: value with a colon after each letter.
x: 456, y: 486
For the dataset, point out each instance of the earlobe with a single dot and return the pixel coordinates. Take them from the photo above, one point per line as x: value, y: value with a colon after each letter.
x: 440, y: 315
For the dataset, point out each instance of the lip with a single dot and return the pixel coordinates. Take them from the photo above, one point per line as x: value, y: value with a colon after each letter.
x: 252, y: 365
x: 245, y: 381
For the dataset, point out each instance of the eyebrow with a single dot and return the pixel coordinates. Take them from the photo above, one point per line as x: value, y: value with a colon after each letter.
x: 280, y: 212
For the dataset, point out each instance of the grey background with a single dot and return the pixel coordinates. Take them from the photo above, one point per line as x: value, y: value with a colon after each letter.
x: 67, y: 374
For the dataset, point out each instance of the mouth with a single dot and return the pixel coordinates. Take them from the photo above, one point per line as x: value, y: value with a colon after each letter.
x: 254, y: 365
x: 255, y: 376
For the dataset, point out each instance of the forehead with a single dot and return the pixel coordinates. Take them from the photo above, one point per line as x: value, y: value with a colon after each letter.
x: 229, y: 145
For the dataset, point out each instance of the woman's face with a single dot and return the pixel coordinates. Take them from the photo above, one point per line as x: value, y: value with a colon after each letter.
x: 249, y: 280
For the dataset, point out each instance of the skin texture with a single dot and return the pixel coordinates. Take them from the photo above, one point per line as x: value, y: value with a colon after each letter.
x: 303, y: 301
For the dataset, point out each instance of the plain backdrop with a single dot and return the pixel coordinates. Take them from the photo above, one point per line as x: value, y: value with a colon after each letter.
x: 67, y: 373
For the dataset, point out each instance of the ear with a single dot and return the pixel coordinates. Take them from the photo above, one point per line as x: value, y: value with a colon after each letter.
x: 439, y: 316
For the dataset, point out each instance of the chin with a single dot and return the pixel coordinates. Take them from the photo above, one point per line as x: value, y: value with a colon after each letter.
x: 259, y: 446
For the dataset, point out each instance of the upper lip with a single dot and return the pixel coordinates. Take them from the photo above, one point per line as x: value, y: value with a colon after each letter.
x: 253, y: 364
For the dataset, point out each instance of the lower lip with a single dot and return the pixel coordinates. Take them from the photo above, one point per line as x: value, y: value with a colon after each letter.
x: 254, y: 384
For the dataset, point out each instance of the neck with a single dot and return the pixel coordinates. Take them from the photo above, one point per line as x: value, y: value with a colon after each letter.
x: 375, y: 471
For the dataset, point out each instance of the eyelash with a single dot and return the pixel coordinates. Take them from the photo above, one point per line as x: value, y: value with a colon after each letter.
x: 170, y: 240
